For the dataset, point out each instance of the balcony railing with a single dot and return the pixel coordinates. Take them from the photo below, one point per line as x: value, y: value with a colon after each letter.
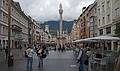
x: 15, y: 27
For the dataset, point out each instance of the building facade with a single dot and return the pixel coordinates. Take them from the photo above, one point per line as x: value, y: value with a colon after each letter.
x: 74, y: 31
x: 19, y: 25
x: 35, y: 32
x: 108, y: 12
x: 84, y: 20
x: 105, y: 17
x: 93, y: 20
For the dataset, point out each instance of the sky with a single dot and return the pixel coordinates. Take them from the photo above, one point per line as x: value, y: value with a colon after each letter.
x: 46, y: 10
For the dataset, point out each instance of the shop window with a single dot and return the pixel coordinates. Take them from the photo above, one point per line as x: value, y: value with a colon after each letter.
x: 115, y: 46
x: 101, y: 31
x: 0, y: 41
x: 108, y: 30
x: 109, y: 45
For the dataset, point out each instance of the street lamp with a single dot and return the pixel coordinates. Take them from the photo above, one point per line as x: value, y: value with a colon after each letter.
x: 10, y: 57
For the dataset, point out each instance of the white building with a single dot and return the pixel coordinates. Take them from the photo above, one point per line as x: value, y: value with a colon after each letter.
x: 107, y: 12
x: 104, y: 15
x: 116, y: 11
x: 19, y: 25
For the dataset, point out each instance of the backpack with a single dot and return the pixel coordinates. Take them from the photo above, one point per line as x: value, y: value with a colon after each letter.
x: 87, y: 60
x: 84, y: 57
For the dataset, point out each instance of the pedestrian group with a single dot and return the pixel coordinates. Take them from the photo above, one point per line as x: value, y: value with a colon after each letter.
x: 41, y: 52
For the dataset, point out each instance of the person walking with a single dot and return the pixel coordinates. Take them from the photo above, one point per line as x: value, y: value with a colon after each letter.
x: 81, y: 59
x: 39, y: 54
x: 1, y: 48
x: 29, y: 53
x: 20, y: 47
x: 6, y: 52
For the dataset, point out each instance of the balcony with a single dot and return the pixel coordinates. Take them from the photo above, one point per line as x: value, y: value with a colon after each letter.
x: 17, y: 28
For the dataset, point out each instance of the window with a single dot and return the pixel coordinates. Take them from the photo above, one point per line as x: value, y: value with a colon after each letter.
x: 6, y: 6
x: 108, y: 4
x: 109, y: 45
x: 87, y: 14
x: 117, y: 12
x: 3, y: 30
x: 95, y: 10
x: 84, y: 30
x: 103, y: 20
x: 99, y: 22
x: 0, y: 43
x: 108, y: 30
x: 0, y: 29
x: 99, y: 11
x: 108, y: 17
x: 81, y: 19
x: 3, y: 3
x: 91, y: 19
x: 115, y: 46
x: 7, y: 42
x: 103, y: 9
x: 84, y: 18
x: 101, y: 31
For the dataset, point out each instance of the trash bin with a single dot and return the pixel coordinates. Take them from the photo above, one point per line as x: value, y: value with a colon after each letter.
x: 10, y: 60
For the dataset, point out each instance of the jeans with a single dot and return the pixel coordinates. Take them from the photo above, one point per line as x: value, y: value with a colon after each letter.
x: 40, y: 61
x: 29, y: 63
x: 81, y: 66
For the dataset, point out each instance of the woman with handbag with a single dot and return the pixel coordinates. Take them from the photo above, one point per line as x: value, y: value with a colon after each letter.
x: 40, y: 56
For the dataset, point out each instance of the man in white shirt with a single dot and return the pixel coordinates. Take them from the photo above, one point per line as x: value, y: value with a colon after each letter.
x: 30, y: 53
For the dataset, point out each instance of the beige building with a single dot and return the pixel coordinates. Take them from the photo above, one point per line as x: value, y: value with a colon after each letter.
x: 35, y: 32
x: 73, y: 33
x: 93, y: 20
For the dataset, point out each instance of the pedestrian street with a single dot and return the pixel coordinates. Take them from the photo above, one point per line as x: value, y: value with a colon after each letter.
x: 55, y: 61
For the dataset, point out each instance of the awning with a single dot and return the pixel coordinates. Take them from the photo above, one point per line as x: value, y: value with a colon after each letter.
x: 84, y: 40
x: 98, y: 39
x: 107, y: 38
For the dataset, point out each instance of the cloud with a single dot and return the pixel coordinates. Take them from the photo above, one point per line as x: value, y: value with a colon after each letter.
x: 44, y: 10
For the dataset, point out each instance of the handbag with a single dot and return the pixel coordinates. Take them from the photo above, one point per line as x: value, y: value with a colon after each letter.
x: 44, y: 54
x: 26, y: 56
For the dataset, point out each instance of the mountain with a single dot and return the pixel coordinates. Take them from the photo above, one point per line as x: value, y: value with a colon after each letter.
x: 54, y: 26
